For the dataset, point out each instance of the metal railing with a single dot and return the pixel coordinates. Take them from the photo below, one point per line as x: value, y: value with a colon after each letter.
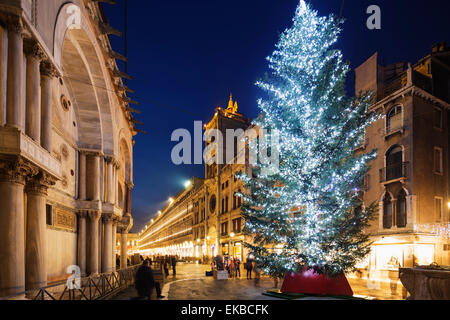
x: 393, y: 172
x: 94, y: 287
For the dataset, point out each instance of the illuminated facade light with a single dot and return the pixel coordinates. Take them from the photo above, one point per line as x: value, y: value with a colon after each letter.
x: 187, y: 184
x: 232, y: 234
x: 171, y: 200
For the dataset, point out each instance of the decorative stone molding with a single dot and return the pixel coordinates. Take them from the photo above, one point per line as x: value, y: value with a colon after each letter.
x: 15, y: 143
x: 65, y: 219
x: 31, y: 47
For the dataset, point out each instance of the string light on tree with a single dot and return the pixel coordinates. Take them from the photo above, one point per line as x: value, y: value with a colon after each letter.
x: 309, y: 214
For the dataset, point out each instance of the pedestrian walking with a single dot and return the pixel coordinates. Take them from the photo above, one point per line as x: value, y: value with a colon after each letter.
x: 249, y: 267
x: 174, y: 265
x: 238, y: 268
x: 166, y: 265
x: 145, y: 282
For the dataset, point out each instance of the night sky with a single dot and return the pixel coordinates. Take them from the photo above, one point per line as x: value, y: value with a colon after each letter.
x: 187, y: 56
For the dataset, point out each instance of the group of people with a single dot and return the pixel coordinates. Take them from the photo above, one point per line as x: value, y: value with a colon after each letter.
x: 233, y: 267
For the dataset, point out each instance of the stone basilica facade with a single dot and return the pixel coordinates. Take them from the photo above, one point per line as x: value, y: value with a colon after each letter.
x: 66, y: 144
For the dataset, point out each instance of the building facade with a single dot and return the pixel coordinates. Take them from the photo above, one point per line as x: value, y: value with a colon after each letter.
x: 204, y: 220
x: 66, y: 143
x: 410, y: 177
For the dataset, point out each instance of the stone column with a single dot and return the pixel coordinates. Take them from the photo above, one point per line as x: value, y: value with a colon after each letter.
x: 123, y: 249
x: 96, y: 178
x: 47, y: 74
x: 94, y: 217
x: 36, y: 238
x: 114, y: 242
x: 129, y: 188
x: 82, y: 242
x: 12, y: 228
x: 109, y: 180
x: 116, y: 184
x: 34, y: 54
x: 82, y: 176
x: 107, y: 243
x: 3, y: 72
x: 14, y: 107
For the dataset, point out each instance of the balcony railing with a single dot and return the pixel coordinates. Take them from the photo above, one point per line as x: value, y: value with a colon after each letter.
x: 404, y: 79
x: 393, y: 172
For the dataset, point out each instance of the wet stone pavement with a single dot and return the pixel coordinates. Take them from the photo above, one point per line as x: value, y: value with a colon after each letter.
x: 190, y: 283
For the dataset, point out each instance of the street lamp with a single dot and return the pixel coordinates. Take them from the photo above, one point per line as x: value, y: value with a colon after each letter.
x: 232, y: 234
x: 187, y: 184
x: 171, y: 200
x: 159, y: 212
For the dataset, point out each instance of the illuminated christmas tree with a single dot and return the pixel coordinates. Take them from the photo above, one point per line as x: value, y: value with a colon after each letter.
x: 309, y: 213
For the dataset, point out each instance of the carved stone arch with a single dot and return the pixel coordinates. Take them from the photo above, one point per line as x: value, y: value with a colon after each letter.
x: 85, y: 74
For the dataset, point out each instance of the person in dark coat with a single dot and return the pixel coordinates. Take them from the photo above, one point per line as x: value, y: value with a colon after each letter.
x: 145, y: 282
x: 166, y: 265
x: 174, y: 264
x: 249, y: 267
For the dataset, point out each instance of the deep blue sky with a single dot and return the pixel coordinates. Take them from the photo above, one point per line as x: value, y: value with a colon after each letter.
x: 187, y: 56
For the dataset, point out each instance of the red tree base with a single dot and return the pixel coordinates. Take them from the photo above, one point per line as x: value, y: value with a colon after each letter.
x: 309, y: 282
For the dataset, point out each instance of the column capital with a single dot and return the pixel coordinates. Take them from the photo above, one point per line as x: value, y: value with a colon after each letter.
x: 109, y: 159
x: 130, y: 185
x: 40, y: 183
x: 94, y: 215
x: 92, y: 153
x: 107, y: 217
x: 48, y: 70
x: 116, y: 163
x: 17, y: 170
x: 116, y: 220
x: 13, y: 22
x: 82, y: 214
x: 32, y: 48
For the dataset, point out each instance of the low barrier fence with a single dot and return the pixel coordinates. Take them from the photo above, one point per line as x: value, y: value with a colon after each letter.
x: 94, y: 287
